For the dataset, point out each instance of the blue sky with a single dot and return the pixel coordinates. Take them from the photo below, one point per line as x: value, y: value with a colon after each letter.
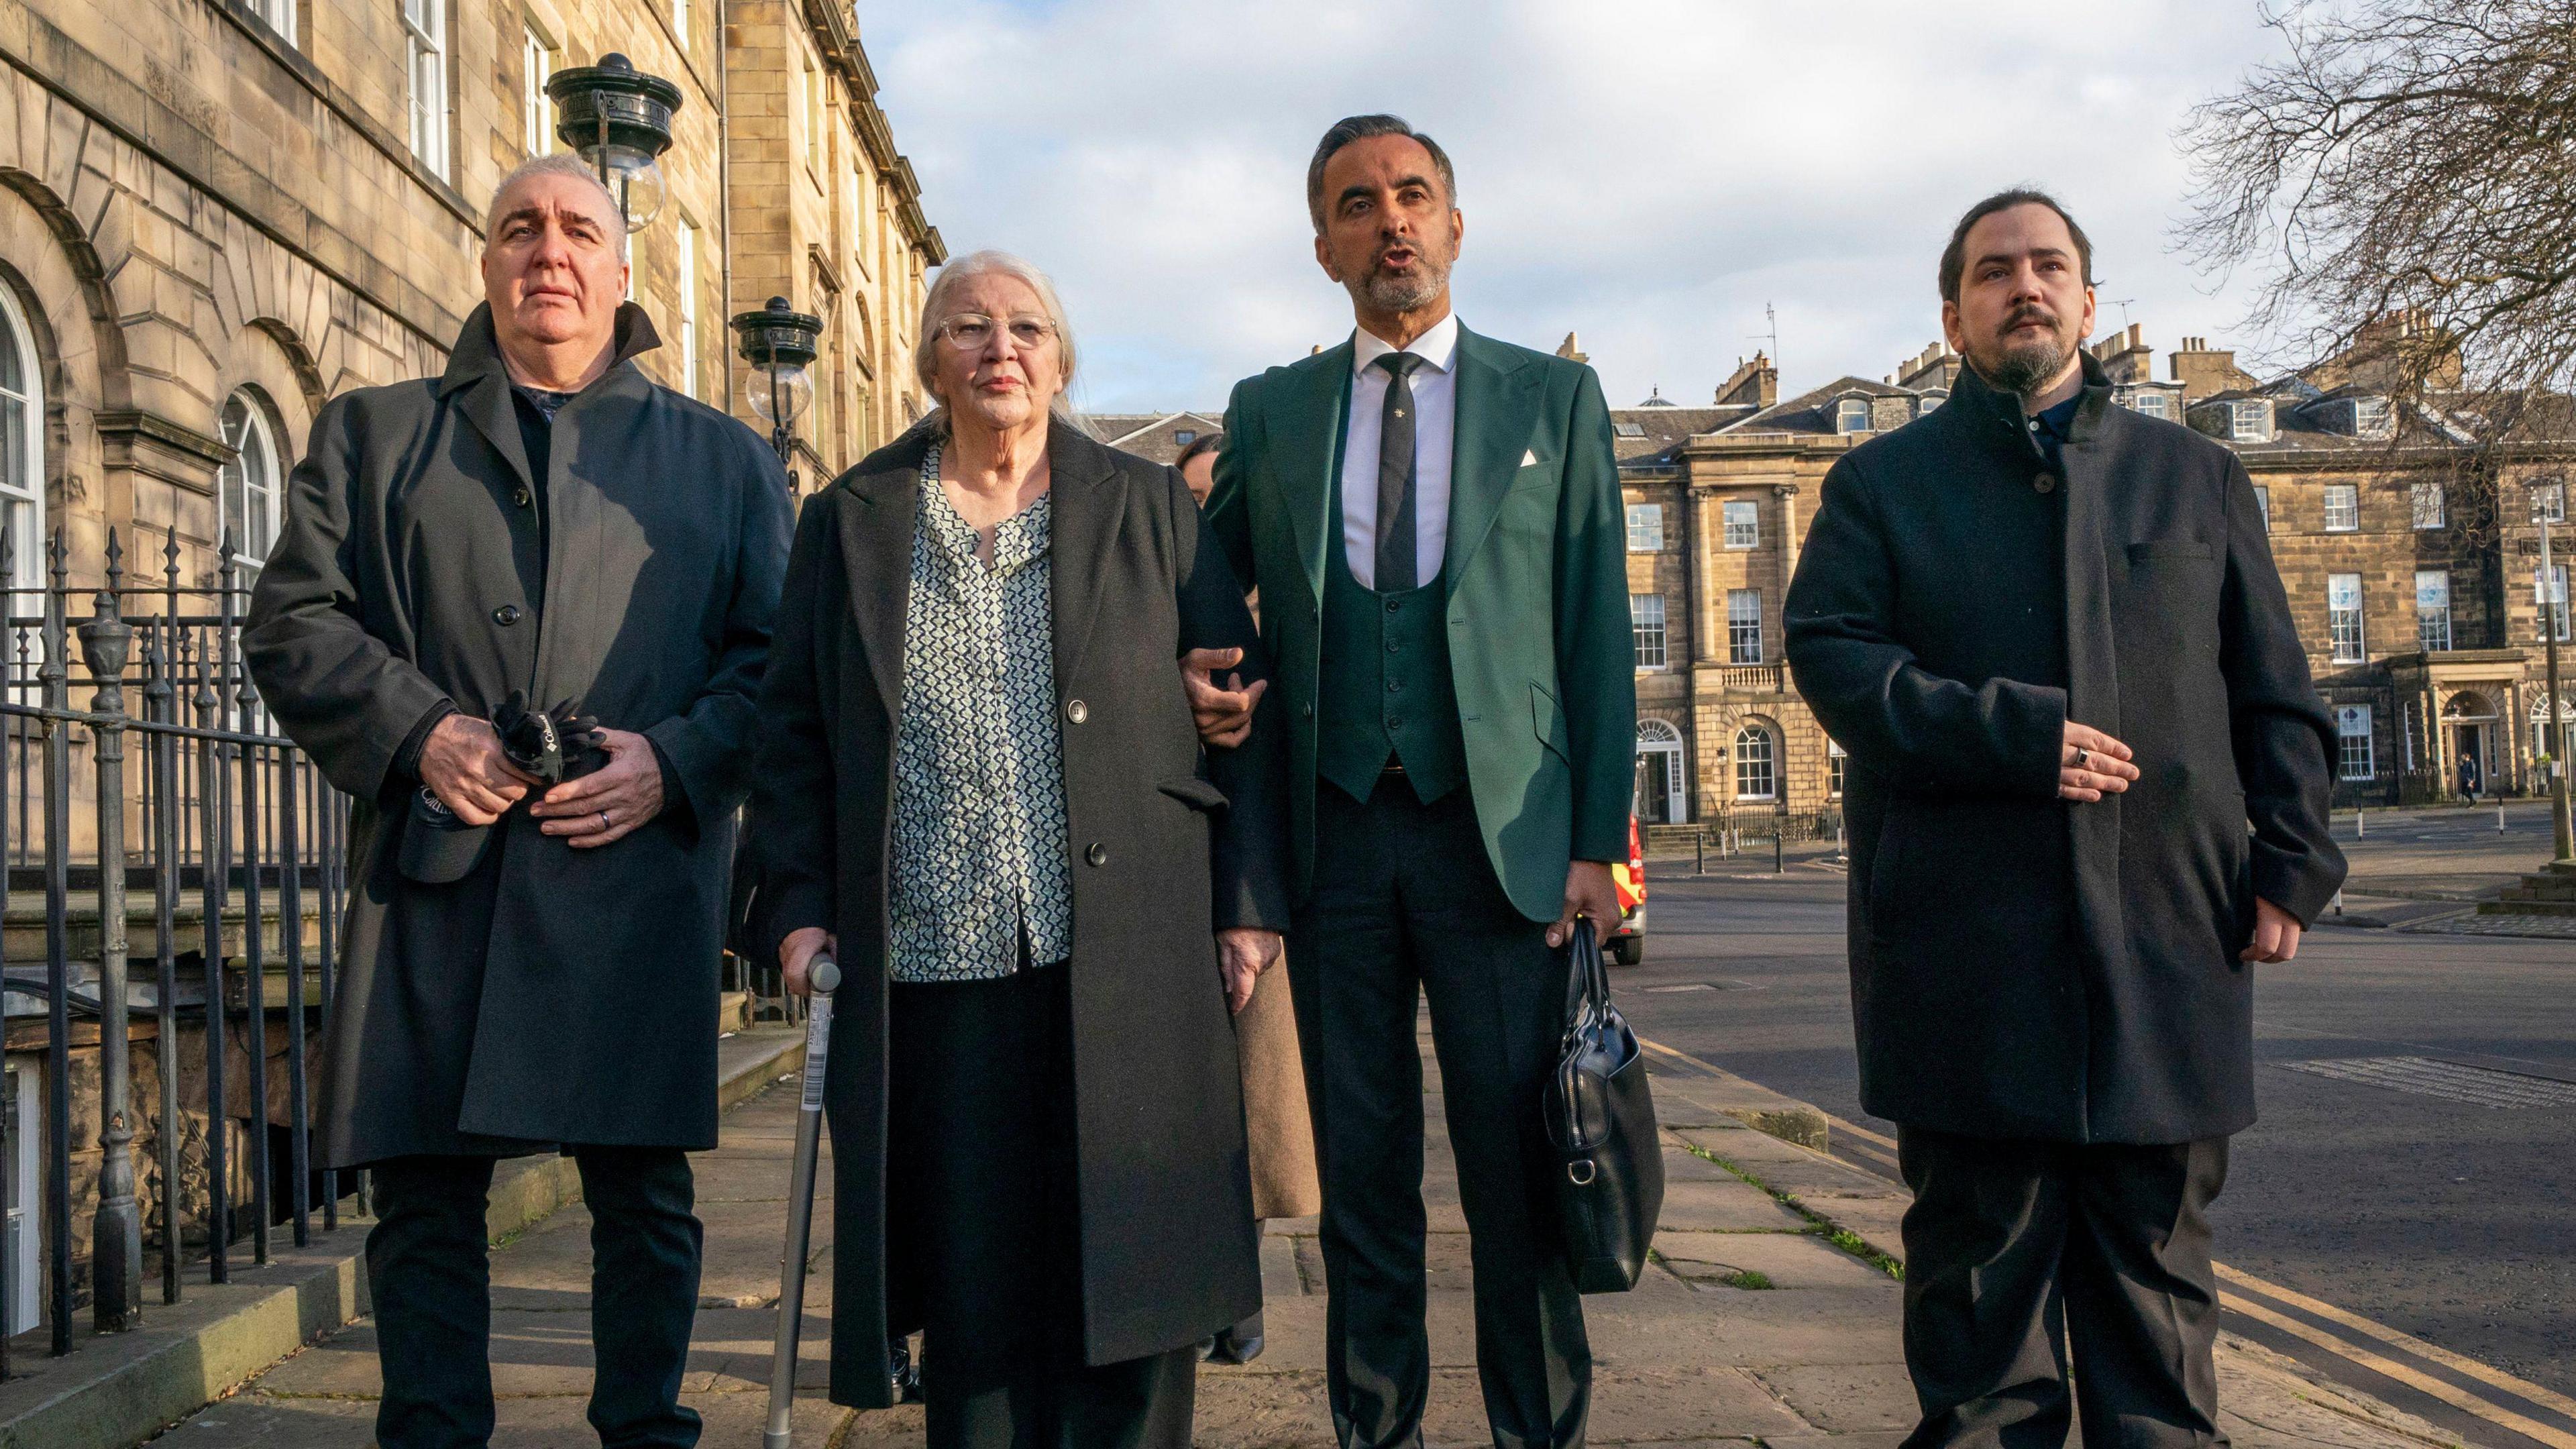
x: 1646, y: 173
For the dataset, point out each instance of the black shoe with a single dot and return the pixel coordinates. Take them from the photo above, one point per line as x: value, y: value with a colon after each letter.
x: 1237, y: 1345
x: 907, y: 1374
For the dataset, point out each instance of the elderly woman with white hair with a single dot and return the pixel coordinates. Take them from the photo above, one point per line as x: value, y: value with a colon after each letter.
x: 983, y: 795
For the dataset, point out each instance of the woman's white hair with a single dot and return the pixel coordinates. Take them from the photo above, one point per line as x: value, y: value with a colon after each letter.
x: 557, y: 163
x: 942, y: 300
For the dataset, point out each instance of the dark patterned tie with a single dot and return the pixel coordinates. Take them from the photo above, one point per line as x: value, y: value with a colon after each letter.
x: 1395, y: 511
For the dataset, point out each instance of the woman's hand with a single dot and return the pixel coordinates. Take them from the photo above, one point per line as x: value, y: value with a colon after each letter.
x: 1242, y: 955
x: 796, y: 956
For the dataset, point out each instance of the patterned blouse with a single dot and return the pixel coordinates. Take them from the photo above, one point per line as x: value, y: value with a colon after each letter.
x: 980, y: 835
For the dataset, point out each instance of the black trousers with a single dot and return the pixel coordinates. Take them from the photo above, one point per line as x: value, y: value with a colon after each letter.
x: 429, y: 1272
x: 2017, y: 1252
x: 984, y: 1240
x: 1406, y: 905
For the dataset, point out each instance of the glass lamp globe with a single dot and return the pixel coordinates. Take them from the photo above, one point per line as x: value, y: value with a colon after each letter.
x: 634, y: 178
x: 781, y: 392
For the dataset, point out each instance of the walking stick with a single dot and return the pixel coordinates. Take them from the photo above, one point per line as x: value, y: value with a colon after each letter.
x: 824, y: 974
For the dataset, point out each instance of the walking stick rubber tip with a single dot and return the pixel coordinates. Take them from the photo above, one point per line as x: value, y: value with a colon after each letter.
x: 824, y: 974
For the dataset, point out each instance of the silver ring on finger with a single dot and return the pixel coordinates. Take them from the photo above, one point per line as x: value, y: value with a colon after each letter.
x: 603, y: 820
x: 2083, y: 758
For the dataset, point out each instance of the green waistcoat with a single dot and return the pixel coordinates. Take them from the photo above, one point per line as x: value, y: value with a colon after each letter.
x: 1383, y: 688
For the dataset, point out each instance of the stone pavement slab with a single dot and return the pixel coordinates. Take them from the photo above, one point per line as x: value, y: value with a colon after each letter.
x: 1697, y: 1354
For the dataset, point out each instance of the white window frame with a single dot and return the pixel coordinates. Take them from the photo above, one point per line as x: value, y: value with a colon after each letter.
x: 2425, y: 504
x: 2373, y: 417
x: 2540, y: 727
x: 680, y: 22
x: 536, y: 67
x: 2249, y: 420
x: 2346, y: 641
x: 2542, y: 604
x: 1844, y: 414
x: 2433, y: 615
x: 2263, y: 501
x: 1744, y: 626
x: 1646, y: 630
x: 2549, y: 502
x: 279, y: 15
x: 1740, y: 523
x: 2148, y: 402
x: 1757, y: 764
x: 1837, y: 768
x: 425, y: 43
x: 1659, y: 746
x: 22, y: 479
x: 2356, y: 755
x: 2349, y: 495
x: 257, y: 474
x: 1645, y: 528
x: 685, y: 249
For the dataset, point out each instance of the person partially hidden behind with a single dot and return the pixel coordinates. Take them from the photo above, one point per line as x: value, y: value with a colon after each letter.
x: 2049, y: 633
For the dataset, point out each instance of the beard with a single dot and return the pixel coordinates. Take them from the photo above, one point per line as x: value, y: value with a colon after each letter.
x: 1384, y: 291
x: 2024, y: 367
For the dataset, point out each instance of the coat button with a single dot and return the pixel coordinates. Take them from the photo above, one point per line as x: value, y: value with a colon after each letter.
x: 1098, y: 854
x: 1077, y: 711
x: 521, y: 496
x: 1307, y: 710
x: 507, y: 615
x: 2045, y: 482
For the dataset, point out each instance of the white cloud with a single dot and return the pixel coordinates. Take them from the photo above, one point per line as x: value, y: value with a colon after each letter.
x: 1648, y: 173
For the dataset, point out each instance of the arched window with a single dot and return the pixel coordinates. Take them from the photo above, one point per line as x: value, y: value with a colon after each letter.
x: 1661, y: 798
x: 249, y: 485
x: 1757, y: 772
x: 22, y: 449
x: 2540, y: 726
x: 1851, y: 415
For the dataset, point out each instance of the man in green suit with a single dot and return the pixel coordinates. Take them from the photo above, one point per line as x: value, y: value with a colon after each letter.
x: 1433, y: 519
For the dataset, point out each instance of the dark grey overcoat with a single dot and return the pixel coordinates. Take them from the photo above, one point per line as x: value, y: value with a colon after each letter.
x: 2023, y: 967
x: 551, y: 995
x: 1163, y: 852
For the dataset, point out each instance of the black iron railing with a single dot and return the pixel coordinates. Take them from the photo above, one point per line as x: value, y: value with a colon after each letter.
x: 137, y: 763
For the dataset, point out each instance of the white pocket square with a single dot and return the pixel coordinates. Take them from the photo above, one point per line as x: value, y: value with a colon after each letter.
x: 1528, y: 457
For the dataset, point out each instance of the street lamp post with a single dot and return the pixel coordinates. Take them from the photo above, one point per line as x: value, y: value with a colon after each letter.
x: 619, y: 120
x: 2553, y: 604
x: 779, y: 343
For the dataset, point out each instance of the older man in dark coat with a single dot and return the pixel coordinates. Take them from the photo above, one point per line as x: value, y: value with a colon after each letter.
x: 2049, y: 632
x: 530, y: 962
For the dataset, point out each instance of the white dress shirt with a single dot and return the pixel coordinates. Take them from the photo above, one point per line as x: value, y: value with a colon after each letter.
x: 1435, y: 426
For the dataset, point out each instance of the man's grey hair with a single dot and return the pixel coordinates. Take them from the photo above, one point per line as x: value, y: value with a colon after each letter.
x: 556, y: 163
x: 1360, y: 128
x: 942, y: 301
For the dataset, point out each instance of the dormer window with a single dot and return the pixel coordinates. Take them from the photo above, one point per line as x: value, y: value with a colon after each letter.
x: 1184, y: 438
x: 1851, y: 415
x: 2373, y: 418
x: 2250, y: 420
x: 2149, y: 403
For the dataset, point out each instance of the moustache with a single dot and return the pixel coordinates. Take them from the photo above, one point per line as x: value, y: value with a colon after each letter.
x: 2024, y: 315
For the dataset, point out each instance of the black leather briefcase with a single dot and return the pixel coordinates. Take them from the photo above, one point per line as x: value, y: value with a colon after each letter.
x: 1601, y: 1118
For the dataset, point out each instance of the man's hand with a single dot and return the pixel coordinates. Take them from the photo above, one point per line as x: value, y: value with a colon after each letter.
x: 796, y: 956
x: 2091, y: 765
x: 1224, y: 716
x: 1242, y: 954
x: 462, y: 764
x: 1589, y: 891
x: 600, y: 808
x: 2276, y: 934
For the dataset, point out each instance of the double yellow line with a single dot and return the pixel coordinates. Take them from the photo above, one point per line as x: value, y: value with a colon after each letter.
x: 2354, y: 1345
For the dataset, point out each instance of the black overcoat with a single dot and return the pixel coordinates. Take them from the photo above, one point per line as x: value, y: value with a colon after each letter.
x: 1164, y: 850
x: 2023, y: 967
x: 552, y: 995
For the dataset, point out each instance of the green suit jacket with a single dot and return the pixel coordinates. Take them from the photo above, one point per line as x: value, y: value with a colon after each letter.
x: 1540, y: 648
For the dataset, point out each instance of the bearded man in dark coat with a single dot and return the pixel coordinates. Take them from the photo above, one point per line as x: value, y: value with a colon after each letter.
x: 2089, y: 797
x: 534, y: 930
